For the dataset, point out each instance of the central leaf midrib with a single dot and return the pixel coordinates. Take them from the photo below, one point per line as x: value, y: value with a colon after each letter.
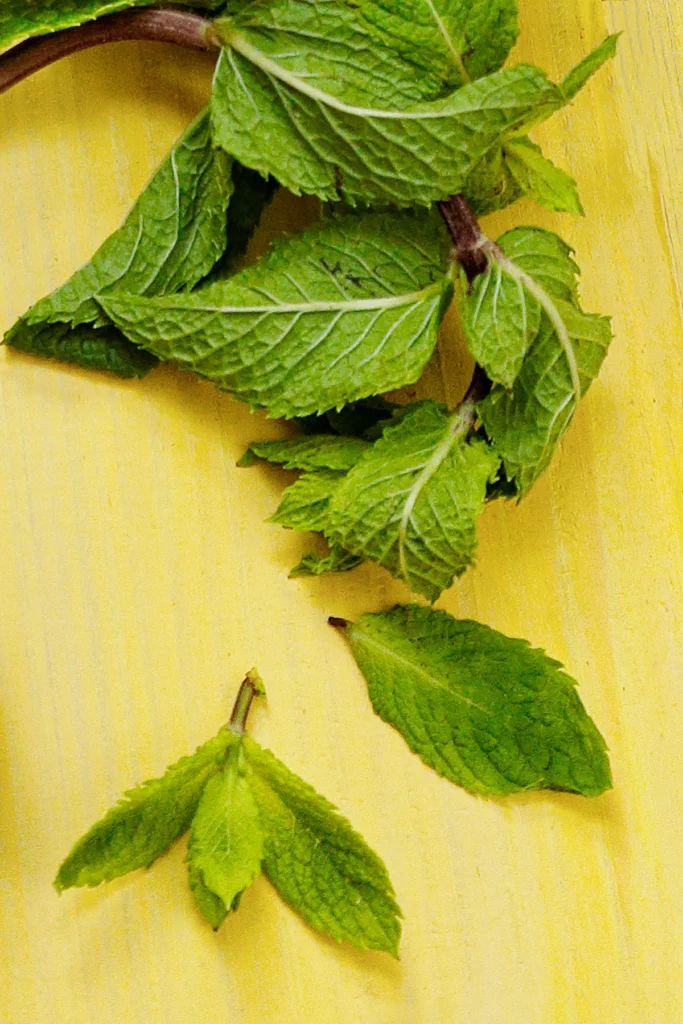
x: 415, y: 668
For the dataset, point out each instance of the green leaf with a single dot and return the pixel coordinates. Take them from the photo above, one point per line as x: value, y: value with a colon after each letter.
x: 572, y: 83
x: 226, y: 840
x: 489, y: 713
x: 585, y: 69
x: 20, y: 18
x: 318, y: 863
x: 346, y: 309
x: 92, y: 348
x: 304, y: 92
x: 145, y: 821
x: 499, y: 315
x: 412, y: 502
x: 338, y: 560
x: 172, y: 237
x: 305, y: 503
x: 525, y: 327
x: 526, y: 423
x: 456, y: 40
x: 320, y: 451
x: 539, y: 179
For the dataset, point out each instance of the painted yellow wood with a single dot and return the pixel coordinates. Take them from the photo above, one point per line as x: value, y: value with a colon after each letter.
x: 138, y: 582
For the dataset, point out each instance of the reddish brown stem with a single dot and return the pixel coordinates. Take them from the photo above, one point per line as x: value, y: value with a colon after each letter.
x: 466, y: 234
x: 154, y: 25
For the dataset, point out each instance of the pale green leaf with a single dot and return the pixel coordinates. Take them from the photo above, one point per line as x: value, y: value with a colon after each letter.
x: 457, y: 40
x: 348, y: 308
x: 585, y: 69
x: 170, y: 240
x: 20, y: 18
x: 319, y: 451
x: 337, y: 560
x: 489, y: 713
x: 500, y: 316
x: 145, y: 821
x: 539, y: 179
x: 226, y: 838
x: 318, y: 863
x: 411, y: 503
x: 526, y: 423
x: 304, y: 92
x: 305, y: 503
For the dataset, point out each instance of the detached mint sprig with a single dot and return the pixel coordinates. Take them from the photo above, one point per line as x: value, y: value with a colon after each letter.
x: 246, y: 813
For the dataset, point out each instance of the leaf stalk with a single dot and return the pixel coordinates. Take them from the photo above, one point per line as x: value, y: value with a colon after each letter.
x: 252, y: 686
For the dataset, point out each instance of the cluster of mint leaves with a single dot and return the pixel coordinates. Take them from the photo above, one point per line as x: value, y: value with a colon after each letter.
x: 397, y: 115
x: 246, y: 813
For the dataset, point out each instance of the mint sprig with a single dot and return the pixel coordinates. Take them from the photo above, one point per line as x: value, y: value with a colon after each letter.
x: 246, y: 813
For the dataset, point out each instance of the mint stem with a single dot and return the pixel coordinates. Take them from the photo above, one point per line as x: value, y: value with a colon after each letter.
x: 252, y: 686
x: 154, y: 25
x: 468, y: 238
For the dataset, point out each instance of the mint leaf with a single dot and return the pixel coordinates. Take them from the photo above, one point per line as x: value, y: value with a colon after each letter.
x: 318, y: 863
x: 172, y: 237
x: 92, y: 348
x: 525, y: 327
x: 226, y: 840
x: 572, y: 83
x: 321, y: 451
x: 145, y: 821
x: 585, y: 69
x: 19, y: 18
x: 489, y: 713
x: 539, y: 179
x: 338, y: 560
x: 499, y: 314
x: 526, y: 423
x: 305, y: 93
x: 411, y: 503
x: 305, y: 503
x: 346, y: 309
x: 456, y: 40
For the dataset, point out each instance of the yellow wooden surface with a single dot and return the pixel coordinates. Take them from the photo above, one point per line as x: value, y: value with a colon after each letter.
x: 138, y: 581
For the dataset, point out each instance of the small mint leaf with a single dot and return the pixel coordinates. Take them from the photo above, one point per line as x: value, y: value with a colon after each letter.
x: 499, y: 315
x: 539, y: 179
x: 226, y: 840
x: 318, y: 863
x: 305, y: 503
x: 145, y: 821
x: 585, y: 69
x: 318, y: 451
x: 412, y: 501
x: 489, y: 713
x: 337, y: 560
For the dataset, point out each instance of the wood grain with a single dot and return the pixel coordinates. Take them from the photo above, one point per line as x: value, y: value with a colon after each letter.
x: 139, y: 581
